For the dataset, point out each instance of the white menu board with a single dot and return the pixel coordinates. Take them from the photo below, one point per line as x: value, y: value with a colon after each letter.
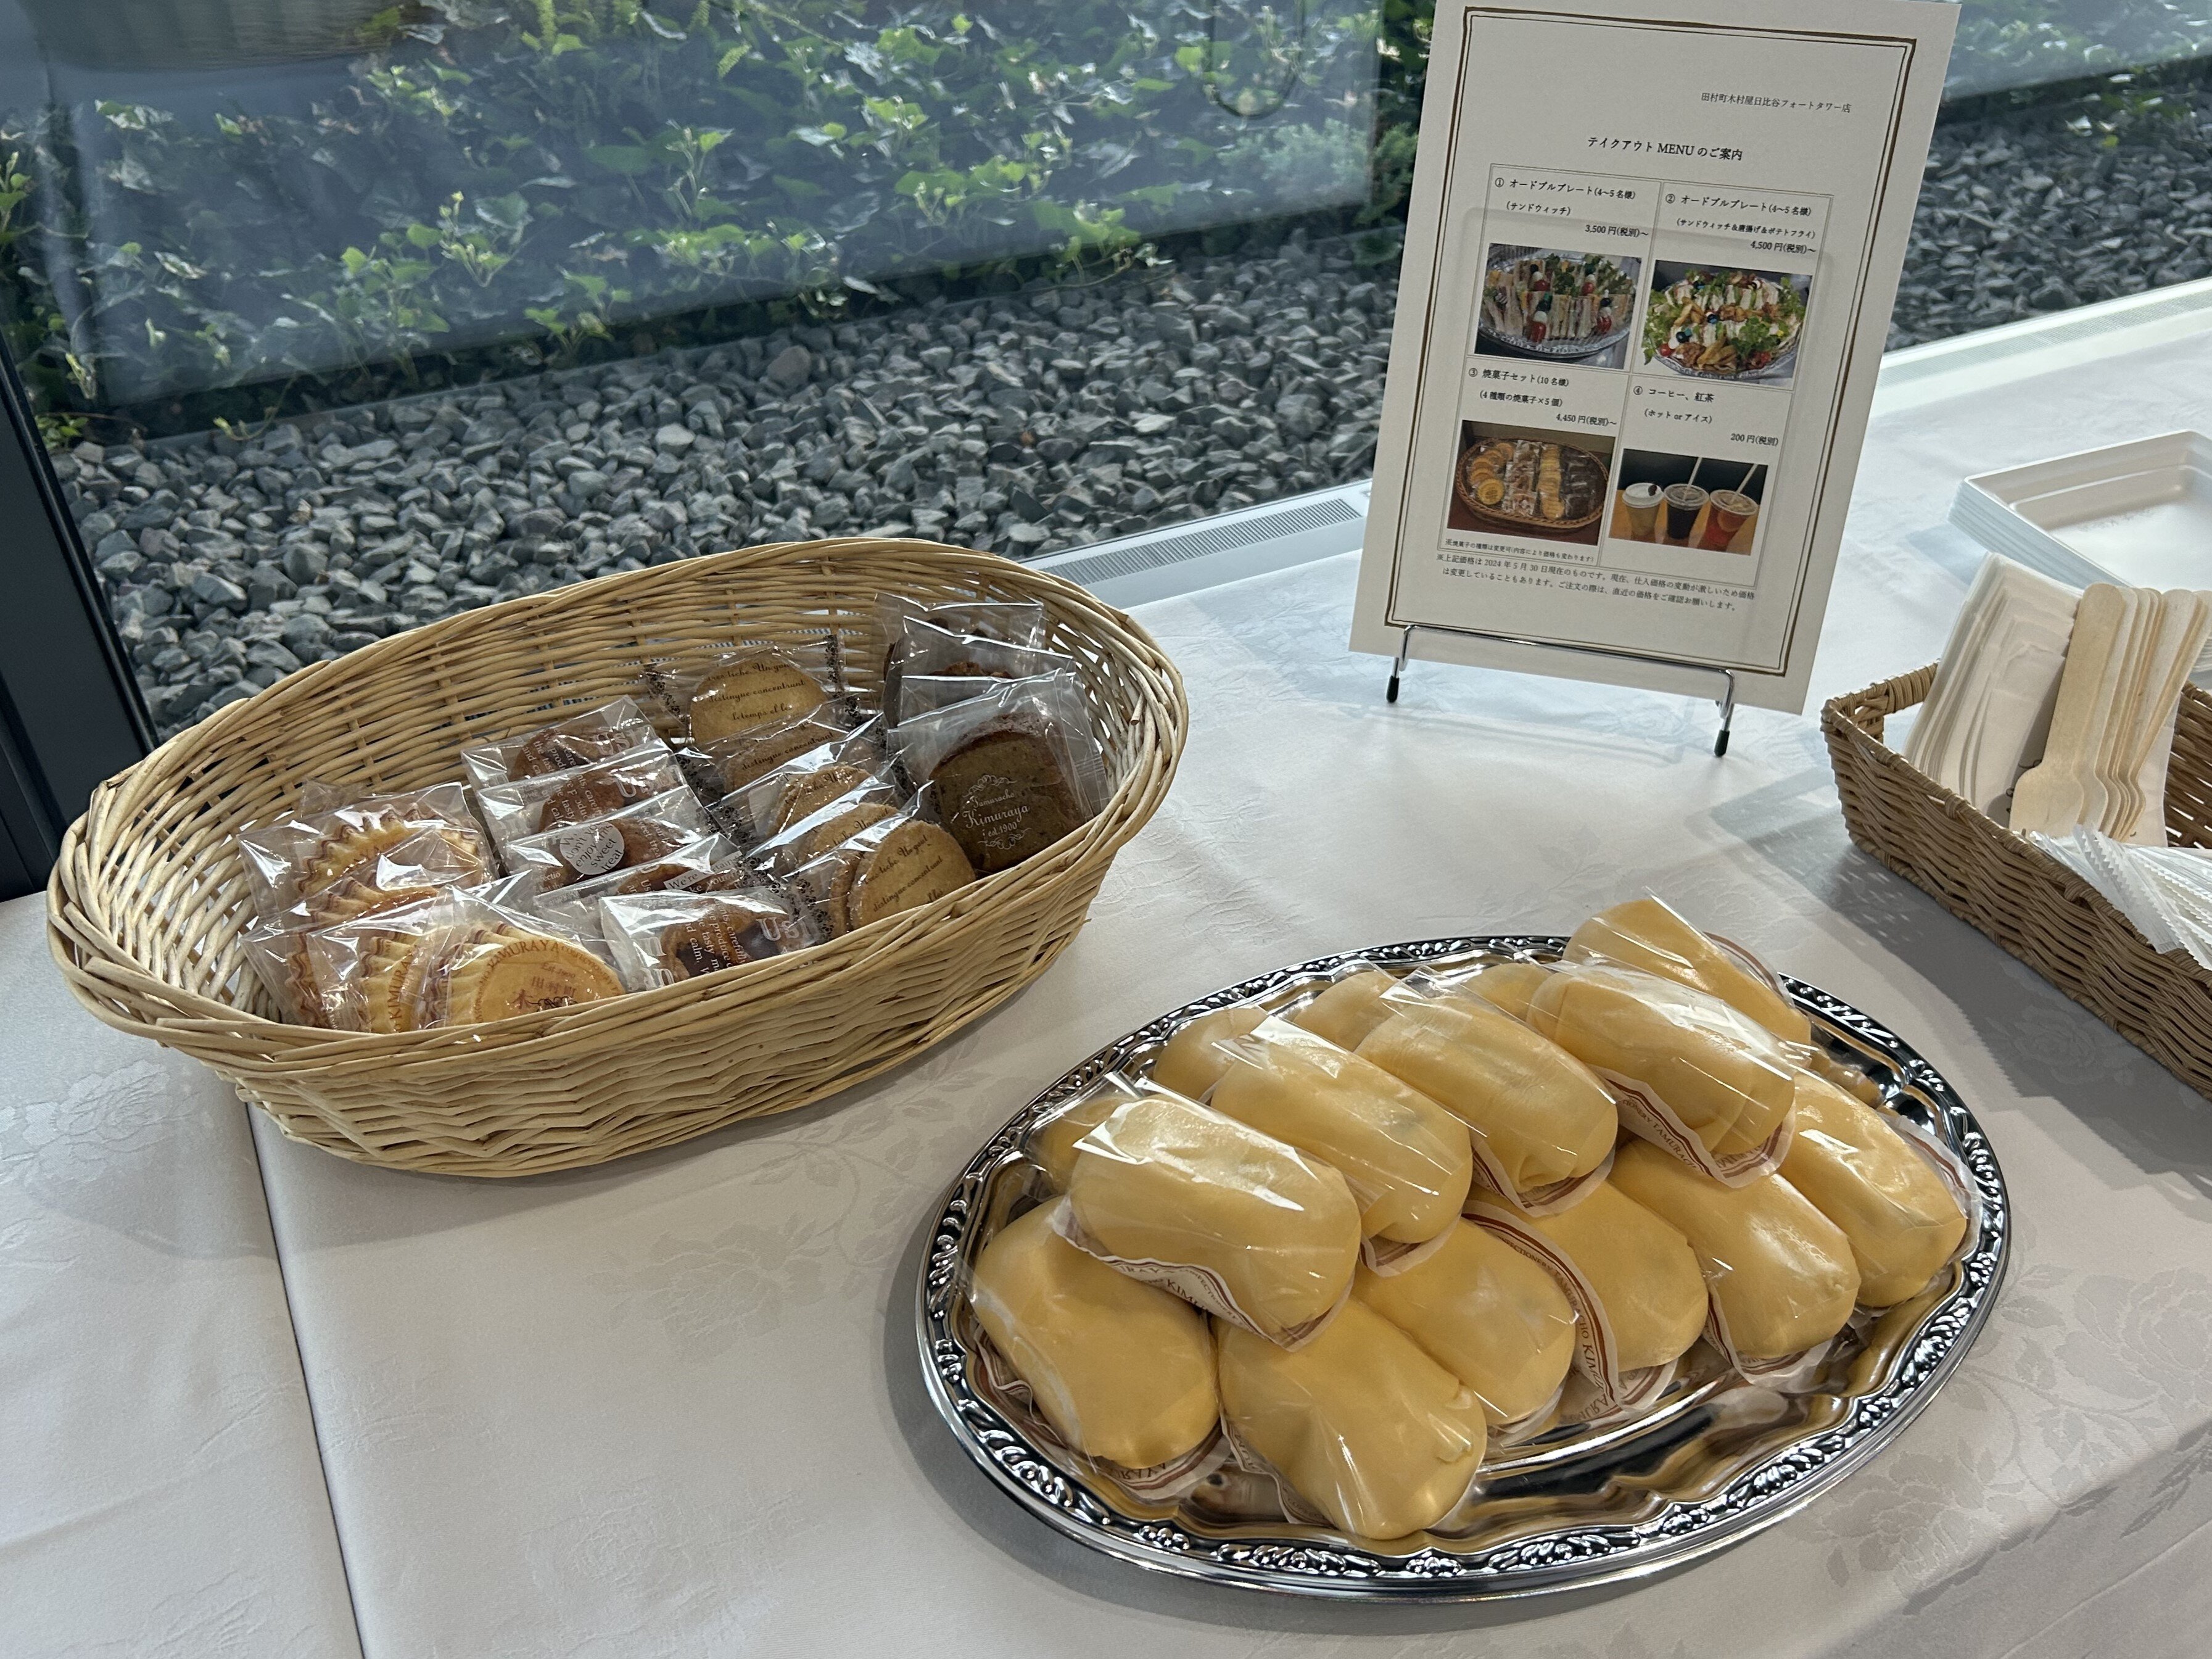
x: 1647, y: 273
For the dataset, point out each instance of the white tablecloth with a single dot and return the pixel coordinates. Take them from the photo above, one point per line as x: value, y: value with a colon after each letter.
x: 673, y: 1406
x: 160, y: 1493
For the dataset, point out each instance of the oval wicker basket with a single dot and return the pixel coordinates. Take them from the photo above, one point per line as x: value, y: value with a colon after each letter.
x: 149, y: 900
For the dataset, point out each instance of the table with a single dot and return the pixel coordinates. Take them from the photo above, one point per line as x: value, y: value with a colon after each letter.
x: 672, y: 1407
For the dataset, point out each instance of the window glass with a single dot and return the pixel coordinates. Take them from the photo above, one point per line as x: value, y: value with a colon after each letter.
x: 341, y: 316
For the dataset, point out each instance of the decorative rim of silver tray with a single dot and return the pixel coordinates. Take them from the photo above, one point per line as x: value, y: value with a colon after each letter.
x: 1664, y: 1527
x: 1561, y: 350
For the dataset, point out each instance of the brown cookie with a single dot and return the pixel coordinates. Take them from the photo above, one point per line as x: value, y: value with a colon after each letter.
x: 726, y: 936
x: 912, y: 865
x: 809, y: 792
x: 751, y: 692
x: 591, y: 795
x: 559, y: 751
x: 1004, y: 796
x: 609, y: 844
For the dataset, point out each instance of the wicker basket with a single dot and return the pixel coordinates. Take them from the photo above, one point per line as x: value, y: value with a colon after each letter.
x: 2020, y: 897
x: 147, y: 903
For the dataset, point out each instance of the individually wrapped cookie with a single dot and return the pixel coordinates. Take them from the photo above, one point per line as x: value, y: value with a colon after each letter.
x: 1236, y: 1222
x: 1358, y: 1421
x: 1012, y: 770
x: 938, y: 653
x: 639, y: 834
x: 1119, y: 1371
x: 802, y: 784
x: 1409, y: 1161
x: 1689, y: 1071
x: 658, y: 938
x: 556, y: 801
x: 454, y: 960
x: 1489, y: 1313
x: 1639, y: 1299
x: 835, y: 821
x: 1645, y: 934
x: 897, y: 864
x: 314, y: 868
x: 712, y: 863
x: 1782, y: 1275
x: 753, y: 689
x: 594, y: 734
x: 1009, y: 621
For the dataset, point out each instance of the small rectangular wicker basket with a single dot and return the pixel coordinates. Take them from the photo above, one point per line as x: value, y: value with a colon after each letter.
x: 149, y: 900
x: 2020, y: 897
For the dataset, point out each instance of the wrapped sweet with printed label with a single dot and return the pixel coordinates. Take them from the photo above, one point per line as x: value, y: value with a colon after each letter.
x: 1487, y: 1313
x: 1365, y: 1427
x: 1860, y: 1167
x: 1645, y: 934
x: 1641, y: 1271
x: 1237, y: 1222
x: 1781, y: 1273
x: 1121, y: 1370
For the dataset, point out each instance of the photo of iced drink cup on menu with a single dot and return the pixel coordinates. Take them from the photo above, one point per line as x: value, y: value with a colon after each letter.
x: 1641, y: 500
x: 1728, y: 513
x: 1683, y: 500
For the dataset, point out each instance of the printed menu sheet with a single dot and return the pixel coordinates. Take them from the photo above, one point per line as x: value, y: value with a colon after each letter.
x: 1647, y: 283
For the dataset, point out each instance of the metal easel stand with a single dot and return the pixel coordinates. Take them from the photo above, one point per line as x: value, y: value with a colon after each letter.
x: 1725, y: 702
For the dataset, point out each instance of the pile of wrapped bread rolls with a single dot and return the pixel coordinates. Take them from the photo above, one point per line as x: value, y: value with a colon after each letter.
x: 1423, y: 1219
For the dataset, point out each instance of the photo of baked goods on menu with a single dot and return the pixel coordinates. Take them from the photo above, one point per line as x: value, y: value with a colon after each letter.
x: 1527, y: 482
x: 1556, y: 304
x: 1687, y: 501
x: 1719, y: 323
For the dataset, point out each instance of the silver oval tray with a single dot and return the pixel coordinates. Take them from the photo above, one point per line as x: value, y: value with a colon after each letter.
x: 1714, y: 1460
x: 1563, y: 351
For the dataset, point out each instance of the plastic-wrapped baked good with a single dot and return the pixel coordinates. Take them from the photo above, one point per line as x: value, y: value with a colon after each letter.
x: 317, y: 868
x: 750, y: 690
x: 1858, y: 1167
x: 938, y: 653
x: 836, y: 805
x: 708, y: 864
x: 1011, y: 622
x: 797, y: 785
x: 1365, y: 1427
x: 1507, y: 986
x: 658, y: 939
x: 1123, y: 1371
x: 451, y: 961
x: 893, y: 866
x: 1244, y: 1225
x: 1012, y: 770
x: 640, y: 835
x: 721, y: 769
x: 1543, y: 1125
x: 1781, y: 1273
x: 1050, y: 1143
x: 1350, y: 1007
x: 1406, y: 1159
x: 555, y: 800
x: 1191, y: 1061
x: 1643, y: 1271
x: 1645, y: 934
x: 578, y: 739
x: 1489, y: 1314
x: 1691, y: 1073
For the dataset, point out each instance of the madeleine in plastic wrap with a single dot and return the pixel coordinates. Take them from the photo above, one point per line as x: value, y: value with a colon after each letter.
x: 1645, y: 1272
x: 1646, y: 933
x: 1192, y: 1060
x: 1727, y: 1078
x: 1121, y: 1370
x: 1347, y: 1011
x: 1858, y: 1169
x: 1407, y: 1160
x: 1167, y: 1180
x: 1545, y: 1117
x: 1371, y: 1431
x: 1781, y: 1272
x: 1487, y: 1314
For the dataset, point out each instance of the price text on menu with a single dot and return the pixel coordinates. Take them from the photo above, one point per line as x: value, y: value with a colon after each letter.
x: 1648, y: 275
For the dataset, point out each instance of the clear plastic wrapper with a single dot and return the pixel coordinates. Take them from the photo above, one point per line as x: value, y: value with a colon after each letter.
x: 1409, y: 1161
x: 1507, y: 986
x: 719, y: 769
x: 326, y: 862
x: 1235, y: 1221
x: 1349, y: 1006
x: 1121, y: 1372
x: 1010, y: 622
x: 775, y: 799
x: 746, y: 692
x: 596, y: 734
x: 1542, y: 1124
x: 1689, y: 1071
x: 925, y: 694
x: 1640, y: 1301
x: 1782, y: 1275
x: 710, y: 864
x: 658, y: 939
x: 1012, y: 770
x: 897, y: 864
x: 1489, y: 1313
x: 1901, y: 1202
x: 1645, y: 933
x: 452, y: 960
x: 640, y: 834
x: 938, y: 653
x: 1362, y: 1424
x: 556, y: 801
